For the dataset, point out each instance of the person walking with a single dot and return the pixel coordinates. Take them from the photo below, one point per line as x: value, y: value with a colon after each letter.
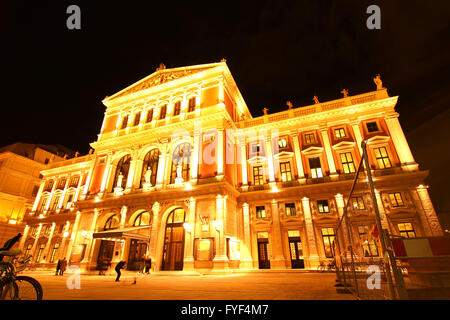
x: 58, y: 267
x: 148, y: 264
x: 119, y: 266
x: 63, y: 266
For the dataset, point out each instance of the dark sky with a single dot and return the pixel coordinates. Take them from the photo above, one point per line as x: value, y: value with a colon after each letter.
x: 54, y: 79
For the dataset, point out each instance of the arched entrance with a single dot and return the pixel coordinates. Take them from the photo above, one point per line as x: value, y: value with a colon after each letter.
x: 173, y: 251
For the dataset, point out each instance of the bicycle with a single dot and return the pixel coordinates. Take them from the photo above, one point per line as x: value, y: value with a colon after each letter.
x: 12, y: 286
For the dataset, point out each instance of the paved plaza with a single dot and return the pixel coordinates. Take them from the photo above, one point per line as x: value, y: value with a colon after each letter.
x: 178, y: 286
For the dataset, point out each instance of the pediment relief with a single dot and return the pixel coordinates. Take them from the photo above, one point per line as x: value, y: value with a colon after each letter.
x: 312, y: 150
x: 344, y: 145
x: 283, y: 154
x: 378, y: 139
x: 257, y: 159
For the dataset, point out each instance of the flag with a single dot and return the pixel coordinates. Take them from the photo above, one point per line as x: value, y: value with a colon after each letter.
x: 375, y: 231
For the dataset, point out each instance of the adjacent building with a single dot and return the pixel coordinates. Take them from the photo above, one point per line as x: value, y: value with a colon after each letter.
x: 183, y: 173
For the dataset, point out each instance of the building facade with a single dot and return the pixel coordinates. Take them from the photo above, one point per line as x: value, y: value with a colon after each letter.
x: 183, y: 173
x: 20, y: 178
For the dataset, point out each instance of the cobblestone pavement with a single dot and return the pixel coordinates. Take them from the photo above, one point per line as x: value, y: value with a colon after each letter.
x: 239, y: 286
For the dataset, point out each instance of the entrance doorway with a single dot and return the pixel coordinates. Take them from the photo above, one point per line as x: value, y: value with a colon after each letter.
x: 136, y: 257
x: 173, y: 254
x: 295, y: 248
x: 263, y: 253
x: 105, y: 254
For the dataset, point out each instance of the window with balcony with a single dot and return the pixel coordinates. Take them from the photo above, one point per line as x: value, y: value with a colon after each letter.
x: 315, y: 167
x: 177, y: 108
x: 191, y: 105
x: 137, y: 118
x: 347, y: 162
x: 43, y: 204
x: 149, y: 116
x: 162, y: 112
x: 290, y: 209
x: 323, y: 207
x: 406, y: 230
x: 258, y: 175
x: 260, y: 212
x: 74, y: 181
x: 55, y: 202
x: 396, y: 199
x: 382, y: 158
x: 285, y: 170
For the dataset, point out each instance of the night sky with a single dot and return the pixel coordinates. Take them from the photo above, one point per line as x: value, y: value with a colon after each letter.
x: 54, y: 79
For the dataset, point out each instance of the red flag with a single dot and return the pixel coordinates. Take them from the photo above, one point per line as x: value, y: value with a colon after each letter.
x: 375, y: 231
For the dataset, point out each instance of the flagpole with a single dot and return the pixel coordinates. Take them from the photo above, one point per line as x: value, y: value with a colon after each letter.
x: 377, y: 215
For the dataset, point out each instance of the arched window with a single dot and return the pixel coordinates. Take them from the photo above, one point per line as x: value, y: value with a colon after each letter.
x: 150, y: 163
x: 181, y: 155
x: 123, y: 167
x: 143, y: 219
x: 113, y: 222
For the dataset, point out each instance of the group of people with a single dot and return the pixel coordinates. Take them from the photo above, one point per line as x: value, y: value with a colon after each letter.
x: 61, y: 266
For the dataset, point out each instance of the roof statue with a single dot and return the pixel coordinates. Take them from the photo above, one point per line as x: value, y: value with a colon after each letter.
x: 223, y: 60
x: 378, y: 82
x: 162, y: 66
x: 289, y: 104
x: 345, y: 93
x: 316, y: 99
x: 265, y: 111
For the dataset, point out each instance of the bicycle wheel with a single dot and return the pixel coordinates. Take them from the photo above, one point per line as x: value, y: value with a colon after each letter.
x: 8, y: 290
x: 28, y: 288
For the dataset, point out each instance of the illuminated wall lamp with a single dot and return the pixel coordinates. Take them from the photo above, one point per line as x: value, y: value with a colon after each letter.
x: 188, y: 227
x: 217, y: 224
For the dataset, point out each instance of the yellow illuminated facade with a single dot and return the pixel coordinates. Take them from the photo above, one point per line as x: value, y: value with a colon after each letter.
x: 183, y: 173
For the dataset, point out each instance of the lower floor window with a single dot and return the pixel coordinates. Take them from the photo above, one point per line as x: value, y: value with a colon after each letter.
x: 369, y: 245
x: 406, y: 230
x: 328, y: 239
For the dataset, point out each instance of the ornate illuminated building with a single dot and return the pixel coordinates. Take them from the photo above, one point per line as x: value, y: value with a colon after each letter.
x: 182, y: 172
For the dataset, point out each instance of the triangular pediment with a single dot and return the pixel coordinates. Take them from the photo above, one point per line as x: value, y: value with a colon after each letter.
x: 160, y: 76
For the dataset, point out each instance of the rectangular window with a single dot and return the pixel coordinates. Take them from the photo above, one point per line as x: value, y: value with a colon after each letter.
x: 27, y: 251
x: 285, y: 168
x: 368, y: 244
x: 406, y: 230
x: 35, y: 191
x: 54, y: 250
x: 137, y: 118
x: 372, y: 126
x: 177, y: 108
x: 396, y: 199
x: 62, y: 183
x: 358, y: 203
x: 41, y: 249
x: 290, y: 209
x: 315, y: 167
x: 256, y: 148
x: 328, y: 239
x: 149, y: 116
x: 339, y: 133
x: 69, y: 200
x: 347, y: 162
x: 74, y: 181
x: 260, y: 212
x: 382, y: 158
x: 191, y: 105
x: 323, y: 206
x: 309, y: 138
x: 55, y: 202
x: 43, y: 204
x: 49, y: 186
x: 162, y: 113
x: 258, y: 176
x: 124, y: 122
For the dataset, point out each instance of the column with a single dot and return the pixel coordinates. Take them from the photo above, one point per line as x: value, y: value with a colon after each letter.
x: 131, y: 173
x: 75, y: 198
x: 298, y: 158
x: 39, y: 194
x: 52, y: 193
x: 154, y: 234
x: 190, y: 236
x: 220, y: 153
x: 246, y: 245
x: 313, y: 259
x: 73, y: 236
x: 270, y: 158
x: 24, y: 237
x: 88, y: 181
x: 137, y: 174
x: 428, y: 214
x: 329, y: 153
x: 64, y: 240
x: 47, y: 248
x: 400, y: 143
x: 106, y: 174
x: 90, y: 246
x: 344, y: 236
x: 220, y: 260
x: 358, y: 136
x: 279, y: 260
x: 123, y: 216
x: 195, y: 155
x: 38, y: 233
x: 63, y: 195
x: 243, y: 146
x: 161, y: 165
